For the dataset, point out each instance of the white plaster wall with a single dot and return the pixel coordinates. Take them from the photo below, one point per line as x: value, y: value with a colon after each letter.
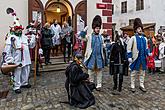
x: 92, y: 12
x: 152, y: 13
x: 21, y: 8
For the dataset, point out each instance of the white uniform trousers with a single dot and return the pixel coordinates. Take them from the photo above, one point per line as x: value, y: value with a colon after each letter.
x: 21, y: 76
x: 17, y: 78
x: 25, y: 75
x: 141, y: 78
x: 99, y: 76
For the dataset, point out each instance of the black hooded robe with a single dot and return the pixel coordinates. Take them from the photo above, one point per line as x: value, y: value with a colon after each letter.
x: 79, y: 94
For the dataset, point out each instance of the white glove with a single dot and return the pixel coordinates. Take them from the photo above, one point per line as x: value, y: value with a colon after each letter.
x: 130, y: 60
x: 40, y: 51
x: 150, y: 54
x: 104, y: 45
x: 78, y: 33
x: 86, y: 28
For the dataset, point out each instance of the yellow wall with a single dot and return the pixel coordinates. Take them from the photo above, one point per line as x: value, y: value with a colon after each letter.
x: 52, y: 15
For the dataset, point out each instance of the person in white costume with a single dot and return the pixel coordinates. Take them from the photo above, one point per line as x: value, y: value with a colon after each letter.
x: 17, y: 49
x: 162, y: 55
x: 56, y: 30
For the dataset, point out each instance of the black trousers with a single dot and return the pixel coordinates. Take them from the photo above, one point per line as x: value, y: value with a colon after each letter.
x: 46, y: 52
x: 67, y: 50
x: 118, y: 74
x: 55, y: 48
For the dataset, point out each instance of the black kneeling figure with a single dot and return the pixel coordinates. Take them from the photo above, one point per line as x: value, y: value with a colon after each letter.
x: 78, y: 88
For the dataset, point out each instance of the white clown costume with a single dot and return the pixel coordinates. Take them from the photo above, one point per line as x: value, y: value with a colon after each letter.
x: 17, y: 48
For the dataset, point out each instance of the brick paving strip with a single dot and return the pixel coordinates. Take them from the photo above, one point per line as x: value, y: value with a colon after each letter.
x: 49, y: 91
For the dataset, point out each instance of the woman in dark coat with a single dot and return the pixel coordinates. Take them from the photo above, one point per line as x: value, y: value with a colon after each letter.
x: 118, y: 63
x: 79, y: 93
x: 46, y: 42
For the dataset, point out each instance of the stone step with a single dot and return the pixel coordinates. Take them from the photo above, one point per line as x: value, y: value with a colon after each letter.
x: 58, y: 64
x: 54, y: 63
x: 51, y: 68
x: 57, y: 57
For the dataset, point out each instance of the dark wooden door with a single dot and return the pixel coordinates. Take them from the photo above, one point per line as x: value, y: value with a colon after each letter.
x: 81, y: 9
x: 35, y: 7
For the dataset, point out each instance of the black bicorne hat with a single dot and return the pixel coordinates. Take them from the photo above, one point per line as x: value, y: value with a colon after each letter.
x: 97, y: 22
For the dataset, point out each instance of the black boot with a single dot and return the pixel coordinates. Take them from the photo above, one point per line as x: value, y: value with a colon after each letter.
x: 149, y: 71
x: 120, y: 82
x: 153, y: 71
x: 115, y: 81
x: 120, y: 87
x: 17, y: 91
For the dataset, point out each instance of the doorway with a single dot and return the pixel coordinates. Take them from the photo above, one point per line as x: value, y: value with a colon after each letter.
x: 60, y: 10
x: 81, y: 15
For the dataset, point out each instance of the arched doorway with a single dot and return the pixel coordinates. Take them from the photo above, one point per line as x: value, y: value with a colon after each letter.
x: 36, y: 11
x: 58, y: 9
x: 81, y: 15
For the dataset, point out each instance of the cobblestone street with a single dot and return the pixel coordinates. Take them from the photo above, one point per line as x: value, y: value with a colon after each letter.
x: 49, y: 91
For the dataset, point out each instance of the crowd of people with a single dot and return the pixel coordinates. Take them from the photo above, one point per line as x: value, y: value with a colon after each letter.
x: 137, y: 54
x: 53, y: 37
x: 33, y: 46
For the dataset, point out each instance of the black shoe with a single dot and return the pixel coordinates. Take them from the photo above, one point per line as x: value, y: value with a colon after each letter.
x: 49, y: 62
x: 46, y: 63
x: 38, y: 74
x: 115, y: 92
x: 98, y: 89
x: 115, y: 88
x: 133, y: 90
x: 142, y: 89
x: 64, y: 60
x: 26, y: 86
x: 120, y: 89
x: 17, y: 91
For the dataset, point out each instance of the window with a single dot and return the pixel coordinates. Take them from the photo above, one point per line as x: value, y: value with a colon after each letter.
x: 124, y: 7
x: 139, y: 5
x: 131, y: 22
x: 112, y: 9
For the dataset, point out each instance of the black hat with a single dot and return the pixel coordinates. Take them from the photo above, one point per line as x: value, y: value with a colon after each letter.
x: 96, y: 22
x: 137, y: 23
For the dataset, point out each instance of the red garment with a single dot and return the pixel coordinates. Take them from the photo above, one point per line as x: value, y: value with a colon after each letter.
x: 151, y: 59
x: 78, y: 43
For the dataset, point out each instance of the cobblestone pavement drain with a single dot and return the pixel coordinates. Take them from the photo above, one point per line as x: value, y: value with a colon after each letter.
x: 49, y: 91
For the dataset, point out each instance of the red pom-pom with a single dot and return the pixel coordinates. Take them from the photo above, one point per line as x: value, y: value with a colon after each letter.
x: 19, y: 27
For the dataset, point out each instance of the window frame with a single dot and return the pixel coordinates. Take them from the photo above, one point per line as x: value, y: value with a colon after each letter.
x: 112, y: 9
x: 139, y: 5
x: 124, y: 7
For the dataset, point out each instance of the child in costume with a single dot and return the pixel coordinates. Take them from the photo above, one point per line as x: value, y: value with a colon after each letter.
x: 118, y: 63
